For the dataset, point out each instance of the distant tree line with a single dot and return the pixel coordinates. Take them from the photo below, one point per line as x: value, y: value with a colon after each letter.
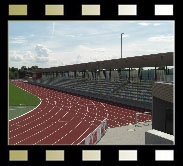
x: 22, y: 73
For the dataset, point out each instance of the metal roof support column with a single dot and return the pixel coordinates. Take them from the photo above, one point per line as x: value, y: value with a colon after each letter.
x: 132, y: 75
x: 139, y: 75
x: 104, y: 73
x: 83, y: 74
x: 166, y: 68
x: 74, y: 74
x: 110, y: 75
x: 119, y: 73
x: 92, y: 75
x: 129, y: 74
x: 155, y: 74
x: 98, y: 74
x: 148, y: 74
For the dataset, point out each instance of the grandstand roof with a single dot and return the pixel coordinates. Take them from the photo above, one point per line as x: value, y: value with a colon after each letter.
x: 158, y: 60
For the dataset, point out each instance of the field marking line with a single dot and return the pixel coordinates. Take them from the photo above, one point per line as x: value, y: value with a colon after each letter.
x: 30, y: 116
x: 28, y: 111
x: 36, y: 132
x: 43, y: 130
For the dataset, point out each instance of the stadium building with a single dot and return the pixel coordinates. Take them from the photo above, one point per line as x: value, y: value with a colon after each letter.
x: 143, y: 83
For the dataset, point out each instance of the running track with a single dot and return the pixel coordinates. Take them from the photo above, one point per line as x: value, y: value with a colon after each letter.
x: 63, y: 118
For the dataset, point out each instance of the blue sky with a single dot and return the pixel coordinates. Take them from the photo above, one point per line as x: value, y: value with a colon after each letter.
x: 57, y: 43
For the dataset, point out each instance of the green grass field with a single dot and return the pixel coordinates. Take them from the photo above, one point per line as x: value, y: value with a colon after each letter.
x: 15, y: 111
x: 18, y: 96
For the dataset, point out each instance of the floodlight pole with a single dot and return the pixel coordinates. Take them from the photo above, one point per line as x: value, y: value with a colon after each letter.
x: 121, y: 43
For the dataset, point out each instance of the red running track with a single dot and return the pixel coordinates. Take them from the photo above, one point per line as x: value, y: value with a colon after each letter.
x: 63, y: 118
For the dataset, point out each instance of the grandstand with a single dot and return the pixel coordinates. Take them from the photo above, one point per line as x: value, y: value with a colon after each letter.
x: 79, y: 102
x: 121, y: 81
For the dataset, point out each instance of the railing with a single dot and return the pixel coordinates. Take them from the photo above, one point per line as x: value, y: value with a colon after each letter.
x: 140, y: 113
x: 95, y: 135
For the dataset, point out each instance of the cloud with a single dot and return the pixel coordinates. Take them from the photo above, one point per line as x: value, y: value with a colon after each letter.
x: 144, y: 24
x: 29, y: 55
x: 42, y: 51
x: 18, y: 40
x: 15, y: 57
x: 147, y: 24
x: 74, y: 35
x: 78, y: 59
x: 161, y: 38
x: 124, y: 36
x: 156, y: 24
x: 44, y: 56
x: 85, y: 54
x: 42, y: 59
x: 58, y: 44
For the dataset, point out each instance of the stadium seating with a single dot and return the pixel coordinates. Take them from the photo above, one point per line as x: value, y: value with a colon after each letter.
x: 134, y: 88
x: 139, y: 91
x: 120, y: 90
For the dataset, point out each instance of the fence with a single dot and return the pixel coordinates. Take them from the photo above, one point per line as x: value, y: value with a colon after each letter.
x: 96, y: 135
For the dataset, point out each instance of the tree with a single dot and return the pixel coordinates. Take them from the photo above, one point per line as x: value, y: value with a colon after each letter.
x: 16, y: 74
x: 34, y: 67
x: 23, y: 72
x: 23, y: 68
x: 13, y: 69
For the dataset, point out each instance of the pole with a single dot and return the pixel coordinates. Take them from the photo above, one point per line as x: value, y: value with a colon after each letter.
x: 121, y: 46
x: 121, y: 43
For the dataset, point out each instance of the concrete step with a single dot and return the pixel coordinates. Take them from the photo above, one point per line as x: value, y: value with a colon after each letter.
x: 126, y: 135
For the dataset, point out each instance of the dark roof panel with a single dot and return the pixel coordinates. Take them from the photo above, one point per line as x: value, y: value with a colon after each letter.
x: 161, y: 59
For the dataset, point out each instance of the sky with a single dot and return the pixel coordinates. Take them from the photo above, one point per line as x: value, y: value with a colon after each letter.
x: 59, y: 43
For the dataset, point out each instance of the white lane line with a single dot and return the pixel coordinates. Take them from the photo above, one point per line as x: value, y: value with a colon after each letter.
x: 28, y: 117
x: 36, y: 125
x: 32, y: 121
x: 53, y: 132
x: 85, y: 115
x: 102, y: 104
x: 39, y: 132
x: 67, y: 133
